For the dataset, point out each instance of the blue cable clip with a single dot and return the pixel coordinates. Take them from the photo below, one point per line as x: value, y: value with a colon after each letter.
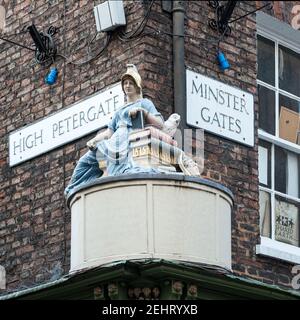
x: 52, y: 76
x: 223, y: 62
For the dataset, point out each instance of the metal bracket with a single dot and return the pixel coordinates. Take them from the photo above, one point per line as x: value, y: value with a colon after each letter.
x: 223, y: 14
x: 45, y: 51
x: 47, y: 38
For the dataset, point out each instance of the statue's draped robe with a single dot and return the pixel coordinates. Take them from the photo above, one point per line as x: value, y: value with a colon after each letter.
x: 115, y: 151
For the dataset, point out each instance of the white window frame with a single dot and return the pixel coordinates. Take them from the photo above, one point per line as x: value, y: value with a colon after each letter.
x: 268, y: 27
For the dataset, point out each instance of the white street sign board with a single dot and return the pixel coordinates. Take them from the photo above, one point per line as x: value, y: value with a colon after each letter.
x: 66, y: 125
x: 220, y: 108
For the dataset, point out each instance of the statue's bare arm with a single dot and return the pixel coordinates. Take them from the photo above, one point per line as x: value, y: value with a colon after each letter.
x: 99, y: 137
x: 156, y: 121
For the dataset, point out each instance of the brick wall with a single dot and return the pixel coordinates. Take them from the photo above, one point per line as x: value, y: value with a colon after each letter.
x: 34, y: 220
x: 229, y: 163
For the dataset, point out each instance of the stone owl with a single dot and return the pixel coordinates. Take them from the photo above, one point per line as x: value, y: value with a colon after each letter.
x: 170, y: 125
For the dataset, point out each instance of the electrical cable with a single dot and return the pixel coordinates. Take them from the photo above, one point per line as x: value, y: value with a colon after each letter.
x: 133, y: 34
x: 90, y: 42
x: 222, y: 37
x: 129, y: 36
x: 80, y: 63
x: 247, y: 14
x: 214, y: 41
x: 21, y: 32
x: 158, y: 32
x: 108, y: 37
x: 17, y: 44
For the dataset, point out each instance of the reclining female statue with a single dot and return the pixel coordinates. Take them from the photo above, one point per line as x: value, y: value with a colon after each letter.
x: 112, y: 145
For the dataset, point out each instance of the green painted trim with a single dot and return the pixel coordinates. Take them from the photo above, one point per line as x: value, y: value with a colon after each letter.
x: 226, y: 282
x: 69, y: 283
x: 213, y: 282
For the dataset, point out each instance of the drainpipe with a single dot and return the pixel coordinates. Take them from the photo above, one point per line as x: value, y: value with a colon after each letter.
x: 178, y: 13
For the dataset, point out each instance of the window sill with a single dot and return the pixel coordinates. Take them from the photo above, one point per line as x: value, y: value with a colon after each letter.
x: 278, y: 250
x: 293, y: 147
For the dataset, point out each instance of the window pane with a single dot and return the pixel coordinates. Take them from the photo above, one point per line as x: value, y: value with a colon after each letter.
x: 287, y: 172
x: 280, y: 169
x: 289, y: 119
x: 264, y: 163
x: 266, y: 100
x: 288, y: 71
x: 265, y: 213
x: 266, y: 60
x: 293, y: 161
x: 286, y: 221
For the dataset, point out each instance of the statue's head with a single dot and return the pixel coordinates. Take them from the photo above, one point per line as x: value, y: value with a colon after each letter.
x: 134, y: 75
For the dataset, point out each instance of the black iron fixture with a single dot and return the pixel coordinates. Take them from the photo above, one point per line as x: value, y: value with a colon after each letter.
x: 226, y: 14
x: 45, y: 48
x: 223, y: 15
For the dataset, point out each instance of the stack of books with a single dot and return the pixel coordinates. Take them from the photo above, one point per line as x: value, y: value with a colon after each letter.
x: 153, y: 148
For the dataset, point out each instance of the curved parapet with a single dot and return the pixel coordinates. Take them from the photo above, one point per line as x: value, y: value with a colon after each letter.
x: 172, y: 217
